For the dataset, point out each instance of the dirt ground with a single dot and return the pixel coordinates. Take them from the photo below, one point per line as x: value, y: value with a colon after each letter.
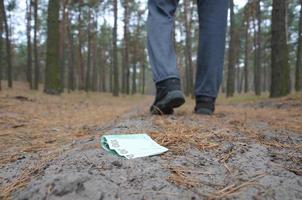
x: 250, y: 149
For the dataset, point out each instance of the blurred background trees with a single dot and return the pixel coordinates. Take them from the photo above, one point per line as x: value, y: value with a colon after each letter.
x: 100, y: 46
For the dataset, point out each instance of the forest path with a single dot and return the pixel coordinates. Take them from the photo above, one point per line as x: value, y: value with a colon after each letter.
x: 247, y: 151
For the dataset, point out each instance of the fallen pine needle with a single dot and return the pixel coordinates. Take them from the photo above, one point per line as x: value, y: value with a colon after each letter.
x: 232, y: 189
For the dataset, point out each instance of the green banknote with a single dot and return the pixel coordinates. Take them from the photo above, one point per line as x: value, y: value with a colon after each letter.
x: 132, y: 145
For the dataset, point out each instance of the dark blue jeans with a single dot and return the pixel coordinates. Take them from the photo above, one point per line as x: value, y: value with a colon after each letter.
x: 212, y: 25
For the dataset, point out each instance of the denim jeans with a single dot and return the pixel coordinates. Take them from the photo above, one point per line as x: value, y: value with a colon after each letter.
x: 210, y: 59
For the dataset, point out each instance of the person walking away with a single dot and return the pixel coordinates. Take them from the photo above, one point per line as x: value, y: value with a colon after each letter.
x: 212, y: 29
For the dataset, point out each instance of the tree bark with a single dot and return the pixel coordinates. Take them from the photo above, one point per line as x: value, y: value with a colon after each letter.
x: 143, y: 77
x: 125, y: 67
x: 1, y: 47
x: 246, y: 56
x: 29, y: 44
x: 52, y: 74
x: 237, y: 45
x: 134, y: 77
x: 280, y: 80
x: 232, y: 56
x: 298, y: 81
x: 94, y: 85
x: 80, y: 55
x: 103, y: 71
x: 111, y: 73
x: 8, y: 46
x: 265, y: 78
x: 71, y: 59
x: 88, y: 71
x: 63, y: 23
x: 241, y: 80
x: 257, y: 62
x: 188, y: 50
x: 36, y: 51
x: 115, y: 91
x: 237, y: 70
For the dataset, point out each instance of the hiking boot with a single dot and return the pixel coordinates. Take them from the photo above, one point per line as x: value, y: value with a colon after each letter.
x: 205, y: 105
x: 168, y: 97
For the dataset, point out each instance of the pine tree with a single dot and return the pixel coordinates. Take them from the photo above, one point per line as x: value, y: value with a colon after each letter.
x: 115, y: 88
x: 246, y: 47
x: 125, y: 67
x: 88, y: 70
x: 62, y: 30
x: 188, y: 49
x: 80, y: 61
x: 232, y: 56
x: 71, y: 59
x: 8, y: 45
x: 280, y: 67
x: 29, y: 44
x: 52, y: 73
x: 1, y: 47
x: 36, y: 51
x: 298, y: 82
x: 257, y: 39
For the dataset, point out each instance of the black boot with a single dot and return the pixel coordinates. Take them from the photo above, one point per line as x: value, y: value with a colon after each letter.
x: 205, y: 105
x: 168, y: 96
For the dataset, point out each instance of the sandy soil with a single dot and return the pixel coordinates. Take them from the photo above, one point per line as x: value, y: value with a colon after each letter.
x: 245, y: 151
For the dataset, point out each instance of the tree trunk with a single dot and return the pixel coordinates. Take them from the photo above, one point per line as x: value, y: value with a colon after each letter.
x: 143, y: 77
x: 102, y: 70
x: 115, y: 91
x: 246, y: 56
x: 1, y: 47
x: 29, y: 44
x: 36, y: 51
x: 280, y: 81
x: 103, y: 79
x: 80, y: 56
x: 88, y: 71
x: 237, y: 69
x: 237, y: 45
x: 134, y: 77
x: 241, y: 80
x: 111, y: 76
x: 125, y: 67
x: 8, y: 46
x: 52, y: 75
x: 264, y: 80
x: 62, y: 43
x: 71, y: 59
x: 232, y: 56
x: 188, y: 50
x: 257, y: 62
x: 95, y: 69
x: 298, y: 82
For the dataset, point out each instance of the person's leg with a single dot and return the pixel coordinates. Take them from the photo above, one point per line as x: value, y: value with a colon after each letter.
x: 212, y: 25
x: 162, y: 56
x: 160, y: 39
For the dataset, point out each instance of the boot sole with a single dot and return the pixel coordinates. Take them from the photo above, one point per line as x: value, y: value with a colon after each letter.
x: 173, y: 99
x: 203, y: 111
